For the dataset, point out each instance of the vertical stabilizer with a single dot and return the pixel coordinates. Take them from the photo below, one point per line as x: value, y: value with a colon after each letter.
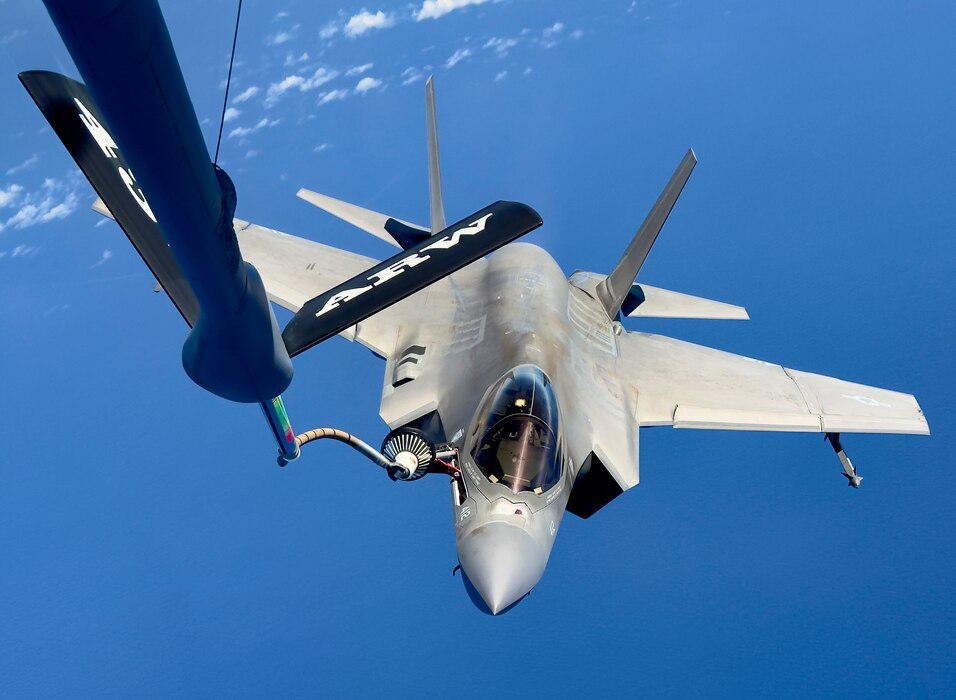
x: 613, y: 290
x: 434, y: 162
x: 125, y: 54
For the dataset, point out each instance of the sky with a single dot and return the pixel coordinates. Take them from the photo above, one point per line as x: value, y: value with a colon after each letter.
x: 150, y: 547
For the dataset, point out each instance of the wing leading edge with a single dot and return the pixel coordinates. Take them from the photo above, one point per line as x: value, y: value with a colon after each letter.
x: 295, y: 270
x: 692, y: 386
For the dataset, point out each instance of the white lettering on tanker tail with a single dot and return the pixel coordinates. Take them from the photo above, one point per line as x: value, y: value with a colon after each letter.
x: 111, y: 151
x: 397, y: 268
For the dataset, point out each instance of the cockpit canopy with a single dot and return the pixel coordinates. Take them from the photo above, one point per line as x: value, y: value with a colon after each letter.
x: 515, y: 434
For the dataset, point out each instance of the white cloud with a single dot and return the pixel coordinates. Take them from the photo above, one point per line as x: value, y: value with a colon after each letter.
x: 527, y: 71
x: 328, y: 31
x: 433, y: 9
x: 327, y: 97
x: 364, y: 21
x: 501, y: 76
x: 576, y: 34
x: 550, y: 35
x: 54, y: 200
x: 457, y: 57
x: 279, y: 38
x: 13, y: 36
x: 411, y: 75
x: 230, y: 114
x: 245, y: 95
x: 107, y: 254
x: 43, y: 212
x: 367, y: 83
x: 287, y: 83
x: 292, y: 59
x: 500, y: 46
x: 358, y: 70
x: 280, y: 15
x: 23, y: 251
x: 56, y: 308
x: 317, y: 80
x: 242, y: 131
x: 9, y: 195
x: 29, y: 162
x: 251, y: 154
x: 322, y: 147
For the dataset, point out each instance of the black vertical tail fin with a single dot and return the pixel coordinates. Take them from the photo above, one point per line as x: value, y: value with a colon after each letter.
x: 77, y: 121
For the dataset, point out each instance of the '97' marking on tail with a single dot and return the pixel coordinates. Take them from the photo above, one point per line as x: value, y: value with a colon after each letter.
x: 111, y: 150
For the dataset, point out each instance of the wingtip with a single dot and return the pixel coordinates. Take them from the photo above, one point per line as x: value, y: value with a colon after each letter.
x: 738, y: 313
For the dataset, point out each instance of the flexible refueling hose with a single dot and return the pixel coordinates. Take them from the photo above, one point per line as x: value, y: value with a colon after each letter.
x: 350, y: 440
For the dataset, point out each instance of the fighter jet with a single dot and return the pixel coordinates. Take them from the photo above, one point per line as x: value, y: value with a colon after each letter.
x: 518, y: 381
x: 546, y: 418
x: 527, y: 380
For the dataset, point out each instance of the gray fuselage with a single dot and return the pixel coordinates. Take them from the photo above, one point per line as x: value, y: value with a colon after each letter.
x: 516, y: 311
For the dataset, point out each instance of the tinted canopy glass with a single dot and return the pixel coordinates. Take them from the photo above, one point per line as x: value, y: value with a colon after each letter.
x: 516, y: 432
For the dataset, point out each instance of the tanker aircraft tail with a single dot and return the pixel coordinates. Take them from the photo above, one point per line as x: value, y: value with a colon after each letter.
x: 76, y: 119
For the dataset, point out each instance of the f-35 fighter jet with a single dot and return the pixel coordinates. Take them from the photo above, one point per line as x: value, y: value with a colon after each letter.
x: 519, y: 382
x: 529, y: 378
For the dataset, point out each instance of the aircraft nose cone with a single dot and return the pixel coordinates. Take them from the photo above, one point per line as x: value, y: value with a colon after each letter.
x: 502, y: 562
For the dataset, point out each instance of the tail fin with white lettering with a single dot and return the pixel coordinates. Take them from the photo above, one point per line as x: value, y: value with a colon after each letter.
x: 74, y: 116
x: 76, y: 119
x: 404, y: 274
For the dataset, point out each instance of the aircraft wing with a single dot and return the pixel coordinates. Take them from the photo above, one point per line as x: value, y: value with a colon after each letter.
x: 692, y: 386
x: 295, y: 270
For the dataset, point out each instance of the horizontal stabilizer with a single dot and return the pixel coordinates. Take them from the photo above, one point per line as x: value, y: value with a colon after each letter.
x: 99, y: 206
x: 651, y: 302
x: 391, y: 230
x: 406, y: 273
